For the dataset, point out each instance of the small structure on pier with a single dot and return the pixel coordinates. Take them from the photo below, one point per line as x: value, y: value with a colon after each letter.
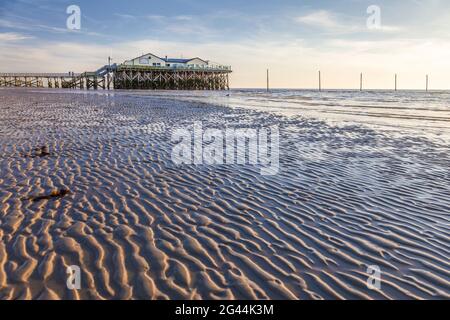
x: 151, y: 60
x: 145, y: 72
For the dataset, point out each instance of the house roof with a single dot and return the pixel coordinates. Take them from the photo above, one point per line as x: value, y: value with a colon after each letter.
x: 173, y: 60
x: 198, y: 59
x: 147, y: 54
x: 170, y: 60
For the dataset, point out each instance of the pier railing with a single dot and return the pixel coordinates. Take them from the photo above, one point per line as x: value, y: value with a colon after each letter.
x: 39, y: 75
x: 213, y: 68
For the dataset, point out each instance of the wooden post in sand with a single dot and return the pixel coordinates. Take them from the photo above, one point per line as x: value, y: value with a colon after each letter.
x: 320, y: 82
x: 267, y: 80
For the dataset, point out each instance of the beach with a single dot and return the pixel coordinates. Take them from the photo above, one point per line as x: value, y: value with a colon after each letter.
x: 88, y: 180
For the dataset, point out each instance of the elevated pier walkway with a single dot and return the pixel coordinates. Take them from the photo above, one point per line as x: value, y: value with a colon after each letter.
x: 127, y: 77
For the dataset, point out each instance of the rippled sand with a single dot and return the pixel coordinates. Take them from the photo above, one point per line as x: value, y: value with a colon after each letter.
x: 87, y: 180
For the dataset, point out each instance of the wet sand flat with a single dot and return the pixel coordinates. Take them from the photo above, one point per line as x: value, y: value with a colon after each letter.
x: 88, y: 180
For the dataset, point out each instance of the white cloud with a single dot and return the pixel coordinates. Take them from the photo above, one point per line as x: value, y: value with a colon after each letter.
x: 183, y: 18
x: 339, y: 24
x: 125, y: 16
x: 13, y: 36
x: 321, y: 18
x: 155, y: 17
x: 386, y: 28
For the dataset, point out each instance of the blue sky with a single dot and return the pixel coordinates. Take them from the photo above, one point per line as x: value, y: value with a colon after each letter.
x: 292, y: 38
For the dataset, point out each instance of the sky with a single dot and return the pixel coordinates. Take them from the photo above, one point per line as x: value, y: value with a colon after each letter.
x: 293, y: 39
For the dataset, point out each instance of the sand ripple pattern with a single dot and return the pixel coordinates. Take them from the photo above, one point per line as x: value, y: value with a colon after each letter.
x: 86, y: 179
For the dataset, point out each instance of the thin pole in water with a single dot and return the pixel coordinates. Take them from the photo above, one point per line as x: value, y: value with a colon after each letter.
x: 395, y: 82
x: 267, y: 80
x: 361, y: 82
x: 320, y: 81
x: 427, y: 84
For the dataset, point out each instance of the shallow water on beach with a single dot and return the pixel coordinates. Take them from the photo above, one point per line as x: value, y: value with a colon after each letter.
x: 87, y: 179
x: 426, y: 113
